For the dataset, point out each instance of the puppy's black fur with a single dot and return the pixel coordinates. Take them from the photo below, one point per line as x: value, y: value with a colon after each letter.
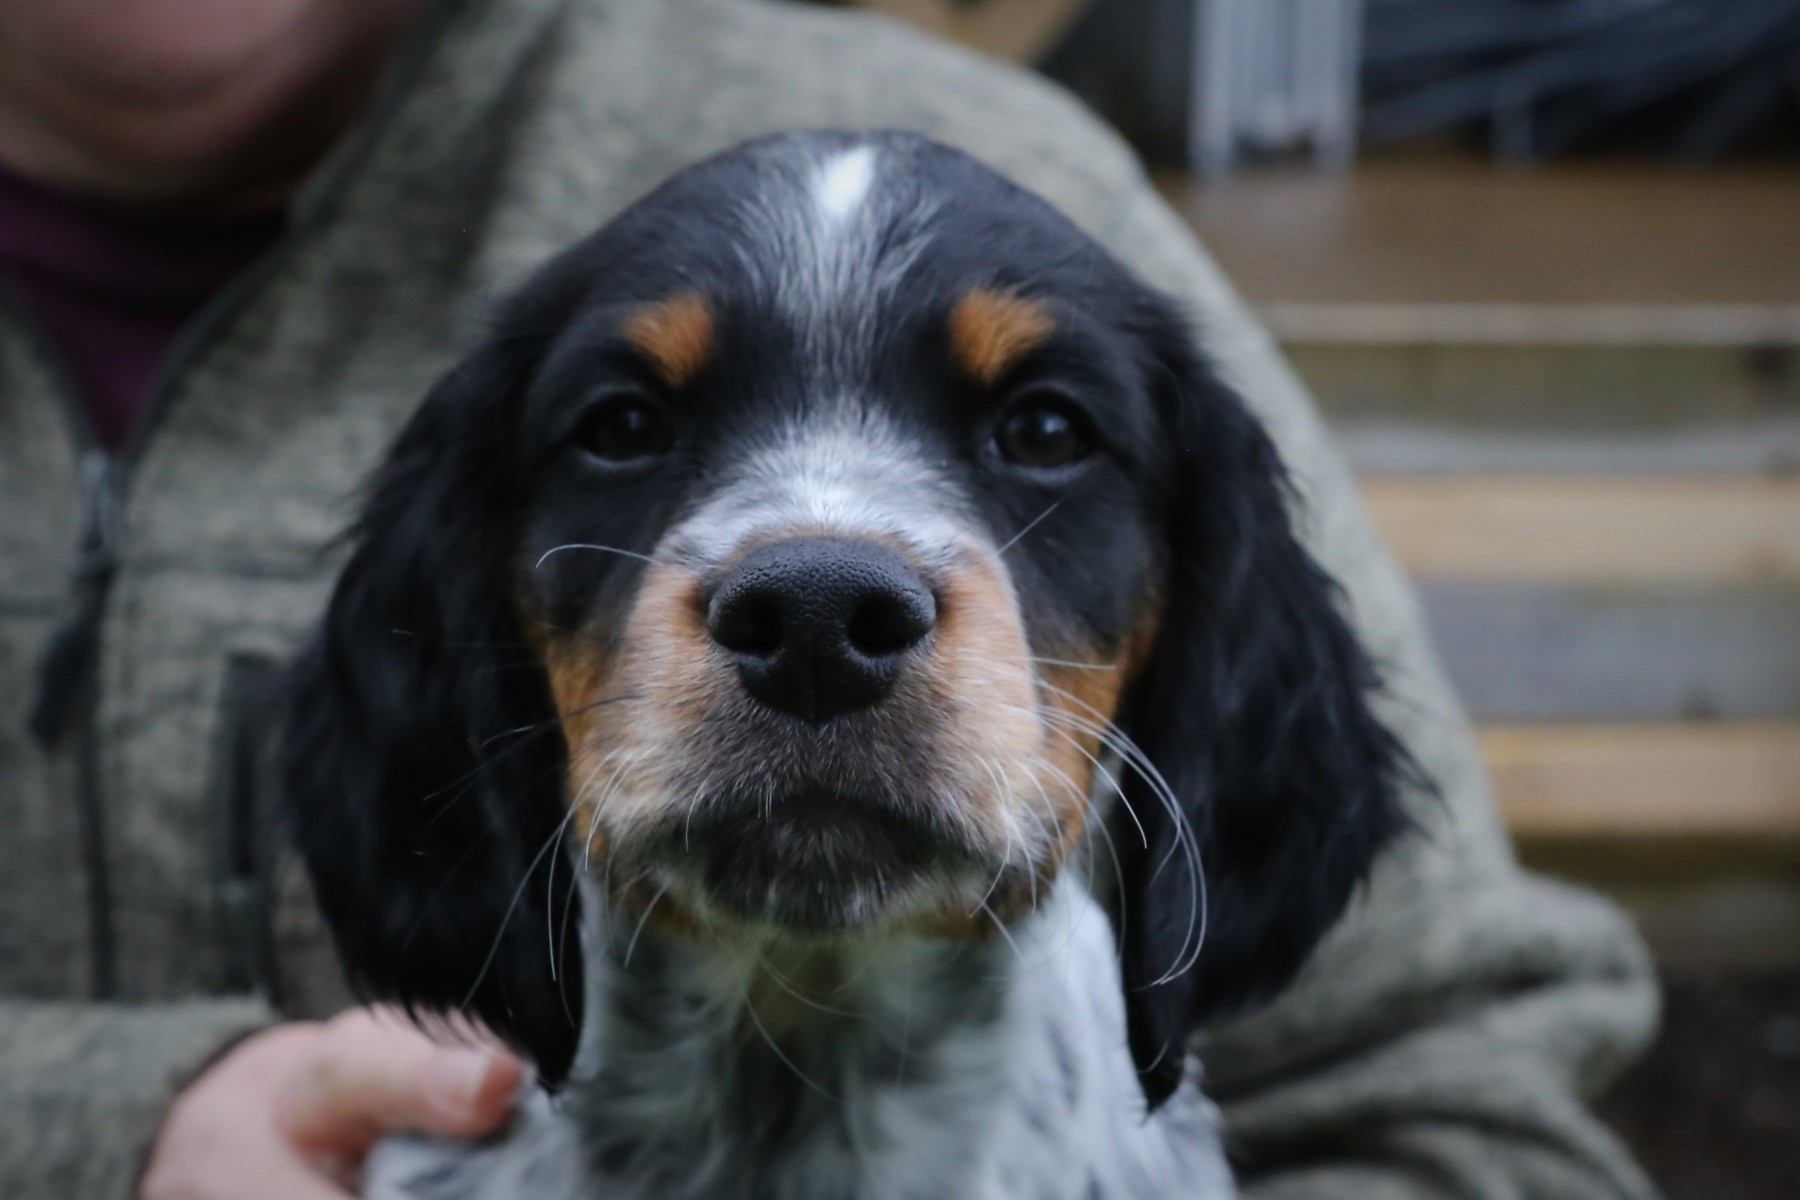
x: 423, y: 762
x: 1254, y: 707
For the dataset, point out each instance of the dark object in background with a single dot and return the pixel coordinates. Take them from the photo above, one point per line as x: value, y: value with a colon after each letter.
x: 1713, y: 1108
x: 1686, y: 79
x: 1212, y: 82
x: 1133, y: 61
x: 1691, y: 79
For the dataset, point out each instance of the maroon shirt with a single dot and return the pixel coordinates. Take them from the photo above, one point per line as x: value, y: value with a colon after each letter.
x: 113, y: 283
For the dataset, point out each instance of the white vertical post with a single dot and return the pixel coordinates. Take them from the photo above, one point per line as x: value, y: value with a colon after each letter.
x: 1274, y: 75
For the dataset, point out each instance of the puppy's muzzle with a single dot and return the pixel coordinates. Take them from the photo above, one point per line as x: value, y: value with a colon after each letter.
x: 819, y: 627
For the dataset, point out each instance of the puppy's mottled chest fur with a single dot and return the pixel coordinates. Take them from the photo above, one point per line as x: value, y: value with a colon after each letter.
x: 922, y: 1070
x: 832, y: 678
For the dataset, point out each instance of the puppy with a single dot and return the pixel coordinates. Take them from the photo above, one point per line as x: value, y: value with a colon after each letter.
x: 832, y: 679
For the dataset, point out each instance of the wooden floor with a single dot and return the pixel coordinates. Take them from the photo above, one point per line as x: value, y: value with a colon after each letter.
x: 1448, y: 228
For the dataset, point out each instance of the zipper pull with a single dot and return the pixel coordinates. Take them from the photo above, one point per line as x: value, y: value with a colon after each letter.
x: 66, y: 667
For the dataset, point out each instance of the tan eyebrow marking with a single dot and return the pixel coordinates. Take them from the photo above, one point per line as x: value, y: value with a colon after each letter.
x: 676, y: 335
x: 990, y: 331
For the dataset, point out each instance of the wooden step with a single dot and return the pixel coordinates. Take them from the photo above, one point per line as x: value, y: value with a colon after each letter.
x: 1592, y: 530
x: 1535, y: 653
x: 1762, y: 447
x: 1552, y: 387
x: 1442, y: 226
x: 1574, y: 369
x: 1535, y: 326
x: 1649, y: 780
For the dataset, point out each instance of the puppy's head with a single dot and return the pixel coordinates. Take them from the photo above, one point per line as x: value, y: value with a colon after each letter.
x: 833, y: 544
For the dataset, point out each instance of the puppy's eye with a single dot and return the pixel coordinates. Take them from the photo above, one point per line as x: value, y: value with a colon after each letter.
x: 625, y: 428
x: 1043, y: 433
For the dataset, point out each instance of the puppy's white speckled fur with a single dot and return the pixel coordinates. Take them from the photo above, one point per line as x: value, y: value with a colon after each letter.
x: 969, y: 1071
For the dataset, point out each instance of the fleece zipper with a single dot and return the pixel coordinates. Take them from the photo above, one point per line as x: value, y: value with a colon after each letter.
x: 63, y: 704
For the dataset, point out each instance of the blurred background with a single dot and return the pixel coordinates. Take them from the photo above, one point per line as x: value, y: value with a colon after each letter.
x: 1540, y: 262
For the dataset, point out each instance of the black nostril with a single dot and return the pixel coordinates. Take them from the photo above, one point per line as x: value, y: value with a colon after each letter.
x: 885, y: 623
x: 821, y: 626
x: 750, y: 626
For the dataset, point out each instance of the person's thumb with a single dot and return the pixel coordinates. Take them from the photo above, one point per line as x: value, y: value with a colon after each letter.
x: 364, y: 1077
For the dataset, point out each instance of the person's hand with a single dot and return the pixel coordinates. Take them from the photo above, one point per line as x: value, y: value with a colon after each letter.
x: 290, y: 1113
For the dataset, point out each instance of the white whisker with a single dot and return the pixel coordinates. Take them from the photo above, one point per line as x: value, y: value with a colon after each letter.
x: 1033, y: 524
x: 1004, y: 932
x: 512, y: 906
x: 591, y: 546
x: 1185, y: 843
x: 782, y: 982
x: 750, y: 1010
x: 1066, y: 662
x: 631, y: 946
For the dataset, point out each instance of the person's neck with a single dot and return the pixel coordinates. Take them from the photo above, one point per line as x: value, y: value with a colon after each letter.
x: 212, y: 123
x: 900, y: 1066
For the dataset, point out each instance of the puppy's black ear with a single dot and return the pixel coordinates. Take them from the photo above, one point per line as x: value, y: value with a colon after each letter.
x: 1253, y: 705
x: 423, y: 764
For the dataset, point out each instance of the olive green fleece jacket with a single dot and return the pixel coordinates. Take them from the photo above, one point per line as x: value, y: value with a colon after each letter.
x: 1438, y: 1046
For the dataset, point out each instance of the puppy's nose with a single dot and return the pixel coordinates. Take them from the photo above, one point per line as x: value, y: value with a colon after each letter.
x: 821, y: 626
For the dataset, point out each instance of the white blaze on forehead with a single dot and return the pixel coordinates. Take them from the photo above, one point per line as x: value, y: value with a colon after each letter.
x: 843, y: 182
x: 826, y: 235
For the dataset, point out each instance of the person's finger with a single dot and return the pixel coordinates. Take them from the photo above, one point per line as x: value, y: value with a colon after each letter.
x: 363, y: 1078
